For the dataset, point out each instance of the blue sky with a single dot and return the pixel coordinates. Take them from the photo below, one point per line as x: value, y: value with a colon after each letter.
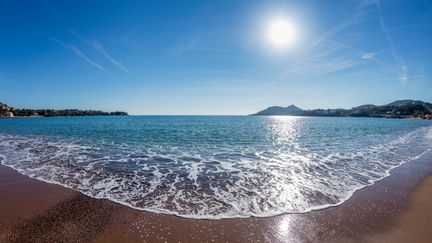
x: 212, y: 57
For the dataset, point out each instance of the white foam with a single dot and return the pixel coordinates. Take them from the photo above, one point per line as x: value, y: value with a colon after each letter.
x: 216, y: 182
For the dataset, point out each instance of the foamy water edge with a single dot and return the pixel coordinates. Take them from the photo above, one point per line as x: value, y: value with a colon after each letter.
x: 219, y: 217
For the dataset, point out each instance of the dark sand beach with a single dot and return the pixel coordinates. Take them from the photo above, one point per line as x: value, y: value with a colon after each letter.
x: 395, y: 209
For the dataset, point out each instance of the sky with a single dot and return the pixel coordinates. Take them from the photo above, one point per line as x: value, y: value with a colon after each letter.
x: 212, y: 57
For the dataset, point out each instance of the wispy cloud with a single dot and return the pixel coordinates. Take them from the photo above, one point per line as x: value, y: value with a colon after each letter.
x: 332, y: 56
x: 79, y: 53
x: 325, y: 65
x: 358, y: 17
x: 403, y: 68
x: 325, y: 56
x: 409, y: 26
x: 116, y: 63
x: 369, y: 55
x: 329, y: 57
x: 359, y: 52
x: 404, y: 74
x: 96, y: 45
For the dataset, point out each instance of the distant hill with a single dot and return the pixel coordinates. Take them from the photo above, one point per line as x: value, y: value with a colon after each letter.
x: 7, y: 111
x: 278, y: 110
x: 397, y: 109
x: 410, y: 102
x: 364, y: 107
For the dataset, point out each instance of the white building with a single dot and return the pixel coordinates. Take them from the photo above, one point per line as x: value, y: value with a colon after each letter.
x: 9, y: 114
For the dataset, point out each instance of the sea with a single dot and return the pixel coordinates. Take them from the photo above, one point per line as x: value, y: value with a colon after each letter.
x: 213, y: 167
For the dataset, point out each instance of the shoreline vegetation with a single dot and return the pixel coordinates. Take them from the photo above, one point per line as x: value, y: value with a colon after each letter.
x: 398, y: 109
x: 10, y: 112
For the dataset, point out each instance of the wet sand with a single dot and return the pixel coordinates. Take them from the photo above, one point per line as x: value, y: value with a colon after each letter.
x: 395, y: 209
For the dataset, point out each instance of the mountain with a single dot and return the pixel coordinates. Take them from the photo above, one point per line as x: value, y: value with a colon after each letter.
x: 280, y: 111
x: 397, y: 109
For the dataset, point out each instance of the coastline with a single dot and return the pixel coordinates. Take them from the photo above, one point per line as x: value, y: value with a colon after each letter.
x: 396, y: 208
x: 379, y: 117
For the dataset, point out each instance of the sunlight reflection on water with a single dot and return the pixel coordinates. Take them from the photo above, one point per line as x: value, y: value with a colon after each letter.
x: 213, y: 167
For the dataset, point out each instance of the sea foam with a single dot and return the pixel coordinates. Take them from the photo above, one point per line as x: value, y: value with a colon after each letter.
x: 294, y: 166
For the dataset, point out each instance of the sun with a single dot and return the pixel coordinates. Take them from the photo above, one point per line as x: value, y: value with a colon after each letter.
x: 281, y: 32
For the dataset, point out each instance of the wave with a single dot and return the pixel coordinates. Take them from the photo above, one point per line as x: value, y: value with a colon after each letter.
x: 214, y: 181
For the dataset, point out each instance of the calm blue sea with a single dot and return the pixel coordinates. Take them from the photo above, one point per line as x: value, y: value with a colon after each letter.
x: 213, y: 166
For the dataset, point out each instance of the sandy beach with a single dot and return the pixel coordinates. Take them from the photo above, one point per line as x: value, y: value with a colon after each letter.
x: 395, y: 209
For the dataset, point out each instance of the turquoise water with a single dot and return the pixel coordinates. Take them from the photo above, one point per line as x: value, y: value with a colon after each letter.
x: 213, y: 166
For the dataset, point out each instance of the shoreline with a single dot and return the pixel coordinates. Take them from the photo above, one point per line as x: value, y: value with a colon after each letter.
x: 380, y: 117
x: 251, y: 115
x: 169, y: 213
x: 30, y: 209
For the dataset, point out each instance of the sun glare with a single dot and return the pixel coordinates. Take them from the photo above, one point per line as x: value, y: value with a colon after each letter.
x: 281, y: 32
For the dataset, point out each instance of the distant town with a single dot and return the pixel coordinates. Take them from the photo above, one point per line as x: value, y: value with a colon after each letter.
x: 10, y: 112
x: 397, y: 109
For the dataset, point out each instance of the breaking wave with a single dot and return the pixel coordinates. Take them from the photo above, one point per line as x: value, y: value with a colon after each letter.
x: 292, y: 169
